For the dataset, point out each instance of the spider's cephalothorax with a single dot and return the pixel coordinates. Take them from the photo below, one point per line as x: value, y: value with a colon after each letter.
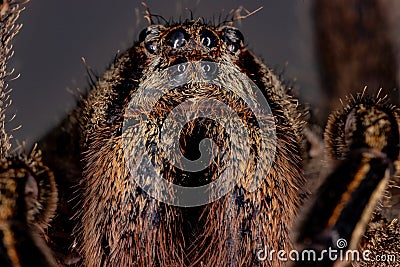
x: 119, y: 224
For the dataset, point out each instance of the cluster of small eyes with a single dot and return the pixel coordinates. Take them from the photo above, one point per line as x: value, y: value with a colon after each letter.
x: 178, y: 38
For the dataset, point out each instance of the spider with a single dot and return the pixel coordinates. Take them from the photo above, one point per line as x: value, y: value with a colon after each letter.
x: 190, y: 151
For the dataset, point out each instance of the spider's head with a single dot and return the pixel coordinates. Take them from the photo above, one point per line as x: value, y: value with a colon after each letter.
x: 204, y: 108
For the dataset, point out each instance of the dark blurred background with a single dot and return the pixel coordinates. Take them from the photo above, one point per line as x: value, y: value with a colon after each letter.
x: 58, y: 33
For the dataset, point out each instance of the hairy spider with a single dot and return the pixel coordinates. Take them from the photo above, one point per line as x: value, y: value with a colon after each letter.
x: 190, y: 151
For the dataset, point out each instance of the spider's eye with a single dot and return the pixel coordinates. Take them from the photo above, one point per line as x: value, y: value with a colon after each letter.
x: 150, y: 38
x: 208, y: 38
x: 178, y: 38
x: 233, y: 38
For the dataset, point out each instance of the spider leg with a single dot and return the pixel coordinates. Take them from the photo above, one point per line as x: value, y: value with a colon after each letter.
x: 364, y: 138
x: 28, y: 198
